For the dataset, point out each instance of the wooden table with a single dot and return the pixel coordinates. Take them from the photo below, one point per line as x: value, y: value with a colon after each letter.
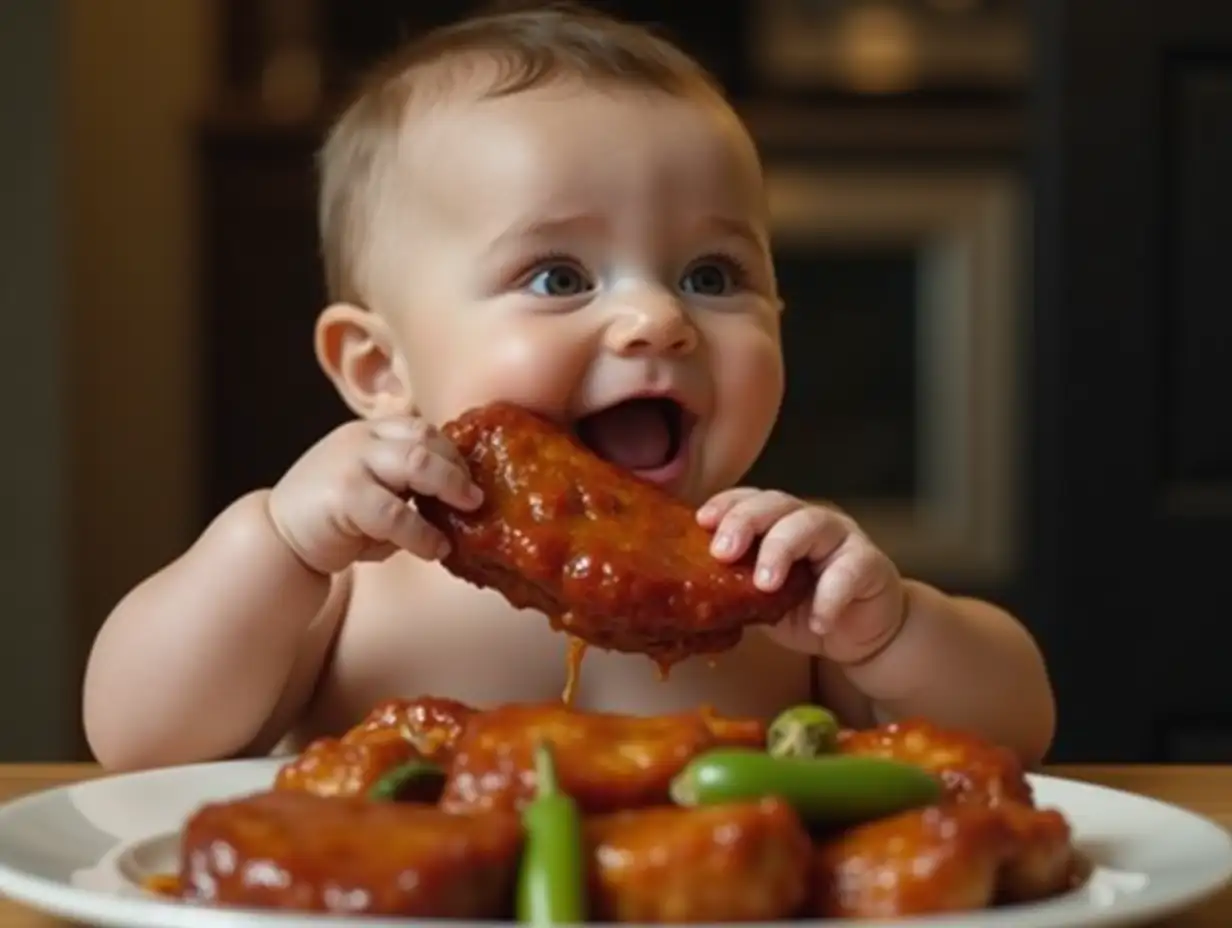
x: 1205, y: 790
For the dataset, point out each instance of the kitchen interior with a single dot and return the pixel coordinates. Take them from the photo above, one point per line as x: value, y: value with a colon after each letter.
x: 911, y: 149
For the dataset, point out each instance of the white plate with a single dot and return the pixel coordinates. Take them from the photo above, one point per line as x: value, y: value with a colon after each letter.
x: 78, y: 851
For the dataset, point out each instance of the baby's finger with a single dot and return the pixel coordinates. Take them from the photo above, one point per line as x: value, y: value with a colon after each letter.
x: 464, y: 491
x: 721, y: 504
x: 383, y: 516
x: 749, y: 518
x: 812, y: 533
x: 438, y: 442
x: 851, y: 574
x: 418, y: 467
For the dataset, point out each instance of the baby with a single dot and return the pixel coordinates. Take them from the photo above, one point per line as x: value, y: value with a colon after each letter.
x: 560, y: 210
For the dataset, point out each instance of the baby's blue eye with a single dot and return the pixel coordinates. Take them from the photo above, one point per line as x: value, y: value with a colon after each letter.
x: 709, y: 279
x: 559, y: 280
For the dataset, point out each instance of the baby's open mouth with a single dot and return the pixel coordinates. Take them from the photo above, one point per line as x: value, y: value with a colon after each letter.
x: 641, y: 434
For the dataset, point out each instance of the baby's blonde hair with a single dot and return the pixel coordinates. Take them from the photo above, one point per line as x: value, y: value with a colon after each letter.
x: 531, y: 44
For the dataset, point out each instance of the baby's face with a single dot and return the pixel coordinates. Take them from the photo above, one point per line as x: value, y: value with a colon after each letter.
x: 600, y: 257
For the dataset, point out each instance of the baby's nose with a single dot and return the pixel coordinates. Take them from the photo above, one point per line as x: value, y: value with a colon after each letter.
x: 656, y: 326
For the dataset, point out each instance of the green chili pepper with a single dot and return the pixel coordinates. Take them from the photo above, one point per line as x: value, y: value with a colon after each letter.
x: 415, y: 780
x: 834, y: 789
x: 552, y: 882
x: 803, y: 731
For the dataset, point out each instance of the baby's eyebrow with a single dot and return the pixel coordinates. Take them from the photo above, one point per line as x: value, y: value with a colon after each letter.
x: 549, y: 228
x: 732, y: 227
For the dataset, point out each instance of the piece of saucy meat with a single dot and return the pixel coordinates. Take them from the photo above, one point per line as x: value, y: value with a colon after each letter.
x: 930, y: 861
x: 986, y: 843
x: 722, y: 863
x: 970, y: 768
x: 331, y: 768
x: 605, y: 761
x: 395, y: 732
x: 296, y: 851
x: 613, y: 560
x: 955, y: 857
x: 431, y: 724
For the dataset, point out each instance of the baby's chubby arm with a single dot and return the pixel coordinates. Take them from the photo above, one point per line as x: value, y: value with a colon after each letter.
x: 968, y: 662
x: 194, y: 660
x: 195, y: 663
x: 909, y: 649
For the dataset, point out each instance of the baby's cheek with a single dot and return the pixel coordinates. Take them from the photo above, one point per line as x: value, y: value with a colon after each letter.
x: 749, y: 382
x: 531, y: 366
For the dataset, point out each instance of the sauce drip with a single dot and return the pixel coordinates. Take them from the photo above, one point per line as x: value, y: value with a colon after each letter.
x: 162, y: 884
x: 573, y: 668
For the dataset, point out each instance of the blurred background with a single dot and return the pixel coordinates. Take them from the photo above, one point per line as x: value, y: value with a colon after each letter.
x: 1002, y: 229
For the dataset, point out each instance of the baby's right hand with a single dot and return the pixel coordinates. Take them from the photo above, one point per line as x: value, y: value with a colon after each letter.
x: 345, y: 499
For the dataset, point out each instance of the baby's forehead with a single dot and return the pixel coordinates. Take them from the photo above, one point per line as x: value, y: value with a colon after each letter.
x: 571, y: 138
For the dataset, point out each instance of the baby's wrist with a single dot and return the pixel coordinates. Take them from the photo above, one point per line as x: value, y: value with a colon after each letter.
x: 888, y: 638
x: 908, y: 662
x: 284, y: 539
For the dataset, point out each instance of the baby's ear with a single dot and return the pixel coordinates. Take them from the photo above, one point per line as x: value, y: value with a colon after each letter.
x: 356, y: 350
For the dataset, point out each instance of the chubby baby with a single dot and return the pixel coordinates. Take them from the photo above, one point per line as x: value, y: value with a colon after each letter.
x: 558, y: 210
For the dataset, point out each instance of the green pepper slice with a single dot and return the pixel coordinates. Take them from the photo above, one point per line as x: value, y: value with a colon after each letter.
x: 416, y: 780
x: 552, y: 881
x: 803, y: 731
x: 834, y: 789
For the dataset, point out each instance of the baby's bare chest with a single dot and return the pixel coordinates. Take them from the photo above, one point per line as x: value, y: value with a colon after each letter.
x: 412, y: 629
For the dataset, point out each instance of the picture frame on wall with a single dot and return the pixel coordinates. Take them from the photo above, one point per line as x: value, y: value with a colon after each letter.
x: 906, y: 414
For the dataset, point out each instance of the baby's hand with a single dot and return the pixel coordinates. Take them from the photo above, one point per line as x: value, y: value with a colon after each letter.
x: 859, y: 602
x: 345, y: 500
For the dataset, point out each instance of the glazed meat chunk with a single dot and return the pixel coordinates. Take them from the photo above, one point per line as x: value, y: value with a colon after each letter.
x: 296, y: 851
x: 1039, y: 859
x: 606, y: 762
x: 949, y: 858
x: 395, y: 732
x: 971, y: 769
x: 431, y: 725
x: 926, y: 861
x: 332, y: 768
x: 1042, y: 861
x: 613, y: 560
x: 723, y: 863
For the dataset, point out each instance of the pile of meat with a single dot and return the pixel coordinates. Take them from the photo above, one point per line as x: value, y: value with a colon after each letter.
x: 318, y: 841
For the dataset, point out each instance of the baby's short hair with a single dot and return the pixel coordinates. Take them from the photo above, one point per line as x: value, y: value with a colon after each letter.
x: 531, y: 44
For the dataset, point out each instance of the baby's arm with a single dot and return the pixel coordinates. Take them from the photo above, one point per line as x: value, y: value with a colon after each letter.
x: 192, y: 664
x: 967, y: 662
x: 210, y: 657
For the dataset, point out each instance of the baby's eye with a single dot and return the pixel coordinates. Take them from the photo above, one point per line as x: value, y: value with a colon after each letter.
x: 559, y: 280
x: 709, y: 278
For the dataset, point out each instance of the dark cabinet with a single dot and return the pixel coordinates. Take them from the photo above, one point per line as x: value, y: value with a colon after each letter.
x: 1132, y: 347
x: 265, y: 400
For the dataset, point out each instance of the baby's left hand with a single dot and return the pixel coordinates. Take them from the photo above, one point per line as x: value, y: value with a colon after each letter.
x: 859, y: 603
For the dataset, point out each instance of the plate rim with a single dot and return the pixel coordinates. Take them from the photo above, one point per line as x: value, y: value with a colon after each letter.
x: 93, y: 906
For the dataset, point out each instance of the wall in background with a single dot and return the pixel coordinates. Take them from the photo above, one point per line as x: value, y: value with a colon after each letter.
x: 35, y: 628
x: 138, y: 75
x: 97, y: 389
